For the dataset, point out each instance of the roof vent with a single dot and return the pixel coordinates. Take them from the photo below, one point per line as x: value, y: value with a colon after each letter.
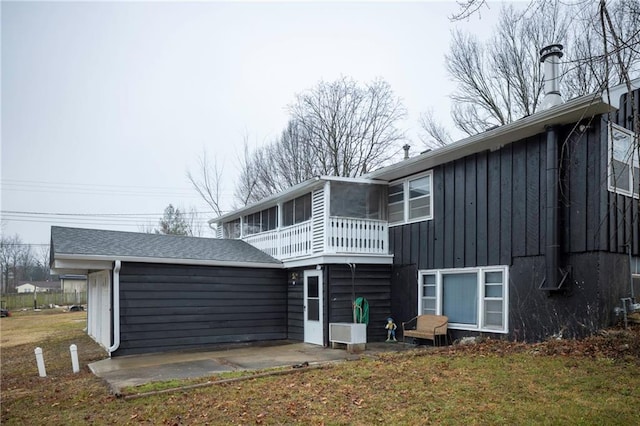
x: 550, y: 57
x: 406, y: 148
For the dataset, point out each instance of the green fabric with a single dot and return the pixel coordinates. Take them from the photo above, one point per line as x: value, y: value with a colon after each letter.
x: 361, y: 310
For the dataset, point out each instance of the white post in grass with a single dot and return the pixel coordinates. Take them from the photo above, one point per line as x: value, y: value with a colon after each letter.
x: 40, y: 362
x: 74, y: 358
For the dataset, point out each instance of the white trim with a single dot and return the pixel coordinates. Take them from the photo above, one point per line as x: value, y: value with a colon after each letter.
x: 313, y: 329
x: 479, y: 271
x: 324, y: 259
x: 116, y: 307
x: 90, y: 260
x: 293, y: 192
x: 615, y: 93
x: 406, y: 198
x: 631, y: 162
x: 84, y: 264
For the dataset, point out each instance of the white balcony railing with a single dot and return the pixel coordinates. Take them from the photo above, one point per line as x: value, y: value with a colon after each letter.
x: 265, y: 241
x: 340, y: 235
x: 295, y: 240
x: 349, y: 235
x: 284, y: 243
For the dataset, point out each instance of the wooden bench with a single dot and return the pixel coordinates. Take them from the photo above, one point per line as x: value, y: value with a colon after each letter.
x: 426, y: 327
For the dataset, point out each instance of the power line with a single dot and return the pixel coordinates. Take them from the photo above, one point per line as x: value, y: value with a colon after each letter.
x: 90, y: 188
x: 92, y: 214
x: 91, y: 185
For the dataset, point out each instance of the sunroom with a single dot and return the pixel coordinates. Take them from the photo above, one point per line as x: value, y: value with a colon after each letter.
x: 323, y: 220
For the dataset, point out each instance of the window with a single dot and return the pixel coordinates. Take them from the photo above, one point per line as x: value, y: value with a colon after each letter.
x: 410, y: 200
x: 232, y: 229
x: 429, y: 294
x: 264, y: 220
x: 472, y: 298
x: 396, y: 203
x: 297, y: 210
x: 624, y: 171
x: 420, y: 197
x: 359, y: 200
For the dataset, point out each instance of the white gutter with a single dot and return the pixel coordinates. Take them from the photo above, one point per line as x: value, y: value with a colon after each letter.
x: 116, y: 308
x: 69, y: 260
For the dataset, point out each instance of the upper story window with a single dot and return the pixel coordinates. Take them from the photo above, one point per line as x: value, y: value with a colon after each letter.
x: 264, y: 220
x: 296, y: 210
x: 232, y: 229
x: 624, y: 171
x: 410, y: 200
x: 358, y: 200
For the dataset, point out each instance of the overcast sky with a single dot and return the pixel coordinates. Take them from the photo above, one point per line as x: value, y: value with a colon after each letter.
x: 105, y: 106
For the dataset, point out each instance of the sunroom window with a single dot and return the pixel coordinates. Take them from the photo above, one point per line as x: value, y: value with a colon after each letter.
x: 472, y: 298
x: 297, y: 210
x: 410, y: 200
x: 624, y: 171
x: 396, y: 203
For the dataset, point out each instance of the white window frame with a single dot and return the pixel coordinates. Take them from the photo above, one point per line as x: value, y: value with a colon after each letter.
x: 406, y: 200
x: 480, y: 273
x: 630, y: 159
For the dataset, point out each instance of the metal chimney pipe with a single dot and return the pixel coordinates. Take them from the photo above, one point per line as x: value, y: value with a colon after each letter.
x: 406, y: 151
x: 550, y: 57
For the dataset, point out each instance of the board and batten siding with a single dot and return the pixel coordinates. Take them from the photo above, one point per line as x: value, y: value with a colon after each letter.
x: 488, y: 207
x: 619, y: 224
x: 373, y: 282
x: 176, y: 307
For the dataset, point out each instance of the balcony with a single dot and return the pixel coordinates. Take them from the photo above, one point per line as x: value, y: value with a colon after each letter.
x: 335, y: 235
x: 323, y: 220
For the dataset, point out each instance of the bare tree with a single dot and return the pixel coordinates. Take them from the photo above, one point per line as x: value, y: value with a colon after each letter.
x: 351, y: 129
x: 274, y: 167
x: 246, y: 190
x: 208, y: 182
x: 193, y: 221
x: 500, y: 81
x: 337, y: 128
x: 436, y: 135
x: 16, y: 261
x: 467, y: 8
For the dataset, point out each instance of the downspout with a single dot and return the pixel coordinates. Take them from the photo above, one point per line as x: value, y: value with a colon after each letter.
x: 352, y: 266
x: 116, y: 307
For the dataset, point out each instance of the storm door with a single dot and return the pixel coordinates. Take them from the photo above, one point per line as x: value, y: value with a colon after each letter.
x: 313, y: 321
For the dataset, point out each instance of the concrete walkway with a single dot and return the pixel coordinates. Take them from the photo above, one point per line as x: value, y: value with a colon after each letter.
x: 136, y: 370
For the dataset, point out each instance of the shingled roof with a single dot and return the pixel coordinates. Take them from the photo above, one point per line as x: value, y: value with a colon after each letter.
x: 78, y: 243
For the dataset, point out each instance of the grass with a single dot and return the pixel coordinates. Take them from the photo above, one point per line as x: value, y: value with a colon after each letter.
x: 595, y: 381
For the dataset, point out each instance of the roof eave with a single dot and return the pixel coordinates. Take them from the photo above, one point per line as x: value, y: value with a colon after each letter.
x: 78, y: 261
x: 290, y: 193
x: 569, y: 112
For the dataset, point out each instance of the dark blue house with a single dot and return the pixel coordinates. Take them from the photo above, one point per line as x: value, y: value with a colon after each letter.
x: 525, y: 231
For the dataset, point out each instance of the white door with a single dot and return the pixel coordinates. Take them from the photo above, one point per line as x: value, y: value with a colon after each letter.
x: 313, y: 321
x: 99, y: 307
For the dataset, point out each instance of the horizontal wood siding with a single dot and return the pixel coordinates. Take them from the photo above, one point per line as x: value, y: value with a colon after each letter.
x: 295, y: 305
x: 373, y: 282
x: 175, y: 307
